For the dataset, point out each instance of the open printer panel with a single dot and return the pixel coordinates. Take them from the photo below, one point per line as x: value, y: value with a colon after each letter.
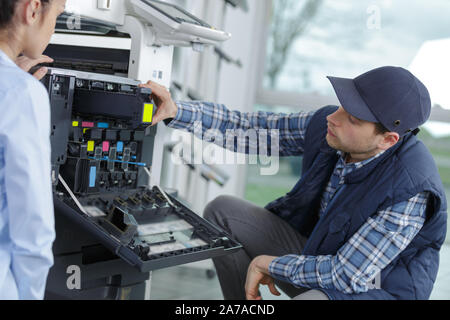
x: 102, y: 148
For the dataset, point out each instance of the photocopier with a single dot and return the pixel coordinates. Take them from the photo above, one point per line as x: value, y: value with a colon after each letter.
x: 114, y: 225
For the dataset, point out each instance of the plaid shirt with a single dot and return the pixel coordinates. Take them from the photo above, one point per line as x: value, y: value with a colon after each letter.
x: 205, y: 119
x: 385, y: 235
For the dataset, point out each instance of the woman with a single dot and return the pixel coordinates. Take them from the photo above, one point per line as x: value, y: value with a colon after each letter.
x: 26, y: 206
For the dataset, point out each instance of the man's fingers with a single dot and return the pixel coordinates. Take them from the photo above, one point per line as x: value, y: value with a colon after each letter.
x: 40, y: 73
x: 252, y: 294
x: 273, y: 289
x: 157, y: 89
x: 149, y: 84
x: 252, y: 286
x: 156, y: 119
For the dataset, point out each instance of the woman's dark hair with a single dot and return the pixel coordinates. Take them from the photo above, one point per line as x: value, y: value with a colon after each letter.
x: 7, y: 9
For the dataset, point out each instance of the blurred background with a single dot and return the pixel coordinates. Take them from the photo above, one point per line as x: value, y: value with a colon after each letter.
x: 277, y: 61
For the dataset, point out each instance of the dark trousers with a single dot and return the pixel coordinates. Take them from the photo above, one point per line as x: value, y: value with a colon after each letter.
x: 261, y: 233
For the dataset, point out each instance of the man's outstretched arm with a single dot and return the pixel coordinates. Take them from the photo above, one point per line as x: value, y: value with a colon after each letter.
x: 240, y: 132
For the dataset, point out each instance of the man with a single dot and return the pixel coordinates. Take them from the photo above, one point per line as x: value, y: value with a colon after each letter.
x: 368, y: 216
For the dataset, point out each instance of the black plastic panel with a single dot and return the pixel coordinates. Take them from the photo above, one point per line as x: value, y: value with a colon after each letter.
x: 103, y: 147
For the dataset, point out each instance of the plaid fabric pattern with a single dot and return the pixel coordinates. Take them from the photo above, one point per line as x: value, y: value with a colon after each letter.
x: 367, y: 252
x: 216, y: 118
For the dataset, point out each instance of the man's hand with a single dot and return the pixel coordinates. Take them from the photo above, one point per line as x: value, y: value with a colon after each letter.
x: 26, y: 64
x: 167, y: 108
x: 258, y: 273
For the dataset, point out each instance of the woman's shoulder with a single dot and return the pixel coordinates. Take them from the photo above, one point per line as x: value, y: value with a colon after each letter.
x: 15, y: 81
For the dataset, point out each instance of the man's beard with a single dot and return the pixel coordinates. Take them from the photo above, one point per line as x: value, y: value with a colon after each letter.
x: 346, y: 150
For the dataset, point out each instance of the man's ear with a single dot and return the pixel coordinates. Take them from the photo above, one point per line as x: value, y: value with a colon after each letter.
x: 389, y: 139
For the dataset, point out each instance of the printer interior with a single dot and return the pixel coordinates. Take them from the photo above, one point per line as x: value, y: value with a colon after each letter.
x: 102, y: 148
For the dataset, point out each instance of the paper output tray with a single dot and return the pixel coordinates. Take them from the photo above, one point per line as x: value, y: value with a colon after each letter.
x: 217, y: 242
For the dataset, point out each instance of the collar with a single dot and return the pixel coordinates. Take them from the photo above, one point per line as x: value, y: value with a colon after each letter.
x: 5, y: 59
x: 354, y: 165
x: 359, y: 174
x: 362, y: 173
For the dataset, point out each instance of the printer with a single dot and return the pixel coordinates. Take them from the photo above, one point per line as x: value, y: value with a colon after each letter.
x: 114, y: 224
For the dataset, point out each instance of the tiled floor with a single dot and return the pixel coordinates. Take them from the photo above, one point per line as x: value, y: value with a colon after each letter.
x: 191, y: 283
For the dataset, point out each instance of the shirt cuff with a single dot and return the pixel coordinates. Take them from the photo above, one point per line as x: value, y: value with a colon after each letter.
x: 185, y: 116
x: 304, y: 271
x: 280, y: 268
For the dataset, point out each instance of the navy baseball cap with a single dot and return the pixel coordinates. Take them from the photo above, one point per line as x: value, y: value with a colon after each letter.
x: 392, y: 96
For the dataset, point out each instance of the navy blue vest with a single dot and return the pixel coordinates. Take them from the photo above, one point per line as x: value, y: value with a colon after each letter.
x: 399, y: 174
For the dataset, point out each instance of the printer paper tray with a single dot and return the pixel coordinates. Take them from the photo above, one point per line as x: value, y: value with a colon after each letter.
x: 202, y: 240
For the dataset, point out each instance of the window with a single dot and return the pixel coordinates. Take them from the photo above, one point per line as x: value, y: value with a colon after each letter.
x: 308, y: 40
x: 346, y: 38
x: 262, y: 189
